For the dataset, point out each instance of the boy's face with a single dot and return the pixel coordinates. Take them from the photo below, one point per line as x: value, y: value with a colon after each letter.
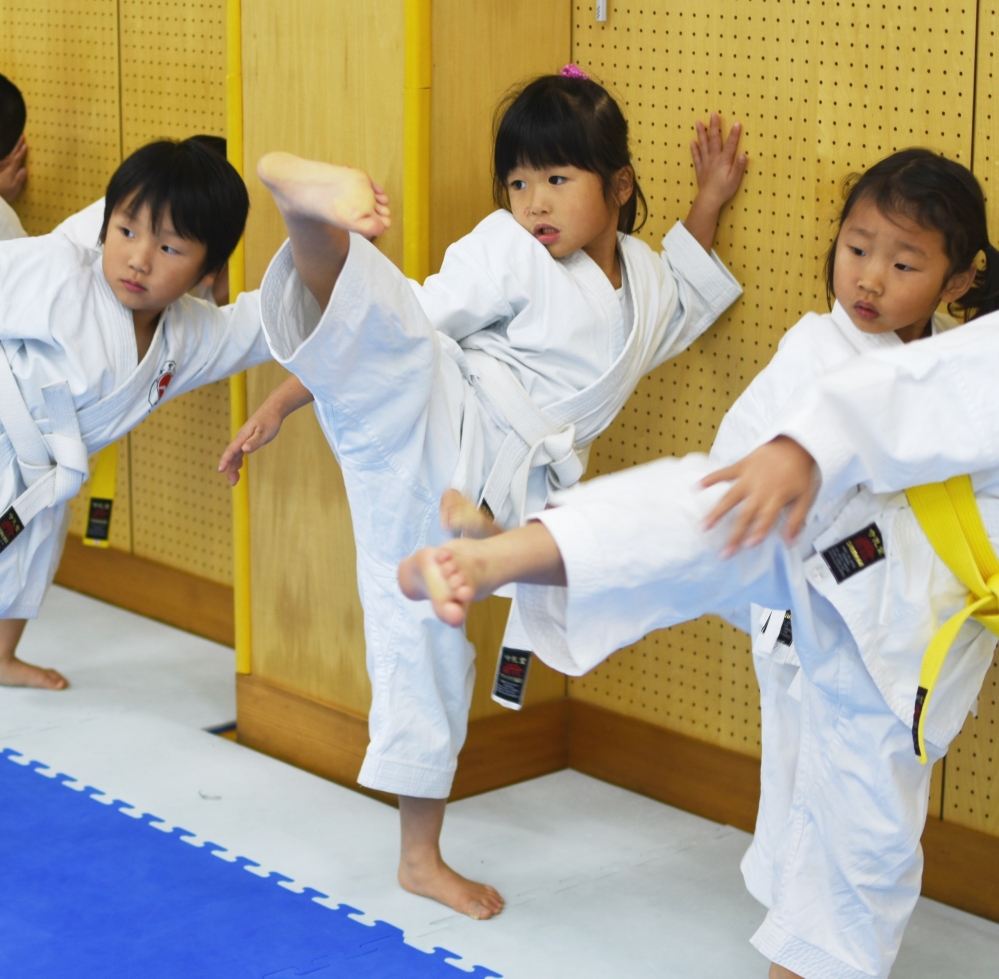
x: 146, y: 269
x: 891, y: 273
x: 563, y: 207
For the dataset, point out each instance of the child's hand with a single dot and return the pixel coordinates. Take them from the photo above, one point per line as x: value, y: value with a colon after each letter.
x: 13, y: 172
x: 259, y: 429
x: 778, y: 474
x: 263, y: 425
x: 719, y: 167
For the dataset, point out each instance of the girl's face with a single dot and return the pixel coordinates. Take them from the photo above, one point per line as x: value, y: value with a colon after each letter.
x: 563, y: 207
x: 891, y: 274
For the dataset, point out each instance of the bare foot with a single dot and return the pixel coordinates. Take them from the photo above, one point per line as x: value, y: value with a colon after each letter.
x: 461, y: 515
x: 435, y: 879
x: 16, y: 673
x: 341, y: 196
x: 451, y: 577
x: 779, y: 972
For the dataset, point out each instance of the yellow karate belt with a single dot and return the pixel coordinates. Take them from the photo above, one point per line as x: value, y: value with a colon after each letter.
x: 952, y: 522
x: 103, y: 480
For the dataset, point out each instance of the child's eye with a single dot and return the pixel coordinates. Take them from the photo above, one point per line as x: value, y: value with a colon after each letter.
x: 127, y: 232
x: 557, y: 180
x: 518, y: 184
x: 904, y: 268
x: 856, y: 251
x: 169, y: 250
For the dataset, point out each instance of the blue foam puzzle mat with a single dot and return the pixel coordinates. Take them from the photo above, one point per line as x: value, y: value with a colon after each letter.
x: 87, y: 891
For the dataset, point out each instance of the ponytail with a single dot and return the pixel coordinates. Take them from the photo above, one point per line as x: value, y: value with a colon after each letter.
x: 983, y: 296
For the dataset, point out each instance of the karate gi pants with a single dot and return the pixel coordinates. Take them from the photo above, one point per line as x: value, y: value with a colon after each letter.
x: 402, y: 420
x: 839, y: 861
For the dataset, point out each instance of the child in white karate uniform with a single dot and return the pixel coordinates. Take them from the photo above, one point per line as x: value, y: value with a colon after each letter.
x: 836, y: 854
x: 95, y: 340
x: 491, y: 378
x: 13, y: 151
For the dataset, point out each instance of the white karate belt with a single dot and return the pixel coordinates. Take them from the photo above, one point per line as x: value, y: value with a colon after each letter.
x: 535, y: 439
x: 54, y: 464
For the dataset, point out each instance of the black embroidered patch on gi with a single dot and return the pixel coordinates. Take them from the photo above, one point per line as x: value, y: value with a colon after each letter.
x: 855, y: 553
x: 784, y: 636
x: 99, y: 519
x: 511, y: 677
x: 916, y: 714
x: 10, y: 527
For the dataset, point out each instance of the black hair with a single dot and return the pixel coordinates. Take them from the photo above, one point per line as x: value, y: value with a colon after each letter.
x: 206, y: 196
x: 216, y: 143
x: 940, y: 195
x: 555, y: 121
x: 13, y: 115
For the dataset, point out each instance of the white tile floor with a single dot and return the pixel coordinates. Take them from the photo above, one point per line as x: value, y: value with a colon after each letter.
x: 600, y: 882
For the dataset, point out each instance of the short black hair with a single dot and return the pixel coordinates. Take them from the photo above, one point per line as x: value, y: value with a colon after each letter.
x: 207, y: 198
x: 940, y: 195
x: 13, y: 115
x: 559, y: 121
x: 216, y: 143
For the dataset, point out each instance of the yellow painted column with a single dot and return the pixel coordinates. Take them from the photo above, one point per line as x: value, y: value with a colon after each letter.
x: 237, y: 384
x: 416, y: 140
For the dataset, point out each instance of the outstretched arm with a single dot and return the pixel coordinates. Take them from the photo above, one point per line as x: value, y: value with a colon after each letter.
x: 719, y: 168
x: 263, y: 425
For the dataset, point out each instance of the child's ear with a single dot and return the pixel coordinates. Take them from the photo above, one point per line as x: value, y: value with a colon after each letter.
x: 624, y: 186
x: 958, y: 284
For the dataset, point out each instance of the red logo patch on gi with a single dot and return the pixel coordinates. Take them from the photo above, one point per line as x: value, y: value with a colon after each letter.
x: 161, y: 383
x: 854, y: 553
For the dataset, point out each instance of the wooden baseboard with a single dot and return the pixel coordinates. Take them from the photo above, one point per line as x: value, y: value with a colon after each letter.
x: 330, y: 741
x: 702, y: 778
x: 962, y: 865
x: 179, y: 599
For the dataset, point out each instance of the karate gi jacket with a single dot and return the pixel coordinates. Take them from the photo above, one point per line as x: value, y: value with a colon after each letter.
x: 559, y: 327
x: 893, y: 602
x: 61, y: 327
x: 10, y: 223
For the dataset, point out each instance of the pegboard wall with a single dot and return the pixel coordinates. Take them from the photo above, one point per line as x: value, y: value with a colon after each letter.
x: 823, y: 89
x: 101, y: 78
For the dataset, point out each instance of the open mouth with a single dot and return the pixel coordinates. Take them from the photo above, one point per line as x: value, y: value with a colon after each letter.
x: 865, y: 311
x: 546, y: 234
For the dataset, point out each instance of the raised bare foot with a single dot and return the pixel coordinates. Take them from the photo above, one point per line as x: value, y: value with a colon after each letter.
x: 16, y: 673
x: 341, y: 196
x: 461, y: 515
x: 449, y: 576
x: 779, y: 972
x: 436, y: 880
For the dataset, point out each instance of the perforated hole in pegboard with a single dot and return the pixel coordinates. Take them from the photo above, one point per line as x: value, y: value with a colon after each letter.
x: 63, y: 55
x: 823, y: 89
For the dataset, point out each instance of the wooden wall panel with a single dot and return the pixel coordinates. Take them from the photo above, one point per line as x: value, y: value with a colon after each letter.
x: 481, y: 50
x: 823, y: 90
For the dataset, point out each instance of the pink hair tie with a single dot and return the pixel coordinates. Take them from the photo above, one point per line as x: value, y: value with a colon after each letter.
x: 574, y: 71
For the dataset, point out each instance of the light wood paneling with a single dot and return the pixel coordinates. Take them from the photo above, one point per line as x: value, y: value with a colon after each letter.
x: 148, y: 588
x: 818, y: 100
x: 481, y: 50
x: 63, y: 55
x: 330, y: 741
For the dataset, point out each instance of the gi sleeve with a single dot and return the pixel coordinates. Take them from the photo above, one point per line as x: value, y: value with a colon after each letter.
x: 920, y: 413
x: 216, y: 343
x: 705, y: 290
x: 637, y: 558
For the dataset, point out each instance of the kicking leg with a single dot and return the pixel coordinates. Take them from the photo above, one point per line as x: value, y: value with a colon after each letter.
x: 422, y: 869
x: 463, y: 571
x: 320, y: 204
x: 779, y: 972
x: 15, y: 672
